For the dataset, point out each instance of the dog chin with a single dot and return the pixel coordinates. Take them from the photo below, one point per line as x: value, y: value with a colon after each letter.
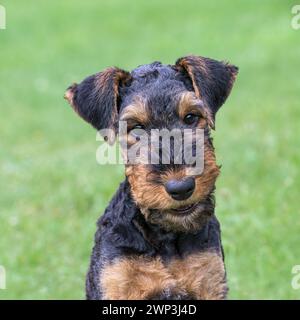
x: 185, y: 210
x: 185, y: 219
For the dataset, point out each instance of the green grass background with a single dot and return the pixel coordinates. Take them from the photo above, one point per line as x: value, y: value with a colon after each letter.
x: 51, y: 188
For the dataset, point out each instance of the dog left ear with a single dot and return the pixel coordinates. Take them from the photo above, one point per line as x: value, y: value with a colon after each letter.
x: 96, y: 98
x: 212, y: 80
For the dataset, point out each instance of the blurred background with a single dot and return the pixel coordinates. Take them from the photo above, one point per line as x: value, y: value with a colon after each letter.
x: 51, y: 188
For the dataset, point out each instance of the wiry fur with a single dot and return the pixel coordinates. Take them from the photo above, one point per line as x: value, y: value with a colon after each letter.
x: 143, y: 248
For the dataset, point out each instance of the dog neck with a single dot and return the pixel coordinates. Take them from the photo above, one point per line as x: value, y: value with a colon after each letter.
x: 168, y: 242
x: 125, y: 223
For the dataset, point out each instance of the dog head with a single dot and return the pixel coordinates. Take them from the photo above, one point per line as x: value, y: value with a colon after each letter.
x: 157, y: 98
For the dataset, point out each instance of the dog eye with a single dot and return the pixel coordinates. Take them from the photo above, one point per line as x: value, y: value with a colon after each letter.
x: 191, y: 118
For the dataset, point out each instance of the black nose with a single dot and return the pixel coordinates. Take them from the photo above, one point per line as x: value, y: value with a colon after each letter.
x: 180, y: 189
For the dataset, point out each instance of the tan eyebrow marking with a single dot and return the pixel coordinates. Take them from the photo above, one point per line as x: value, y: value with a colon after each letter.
x: 137, y: 111
x: 188, y: 102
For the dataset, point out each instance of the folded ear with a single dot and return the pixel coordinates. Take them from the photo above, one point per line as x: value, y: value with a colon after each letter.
x: 96, y: 98
x: 212, y: 80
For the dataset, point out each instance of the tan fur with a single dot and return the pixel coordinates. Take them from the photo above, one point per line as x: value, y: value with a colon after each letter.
x: 207, y: 179
x: 115, y: 77
x: 189, y: 103
x: 137, y: 112
x: 193, y: 65
x: 69, y: 96
x: 105, y: 80
x: 200, y: 64
x: 145, y: 192
x: 201, y: 276
x: 148, y: 194
x: 135, y: 278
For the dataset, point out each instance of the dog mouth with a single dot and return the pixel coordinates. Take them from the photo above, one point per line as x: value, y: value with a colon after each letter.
x: 185, y: 210
x: 185, y: 218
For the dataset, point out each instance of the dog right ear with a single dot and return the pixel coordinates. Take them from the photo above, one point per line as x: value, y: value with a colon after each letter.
x: 96, y: 98
x: 212, y: 80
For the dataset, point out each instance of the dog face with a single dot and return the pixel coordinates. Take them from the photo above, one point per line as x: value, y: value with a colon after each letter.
x: 154, y: 97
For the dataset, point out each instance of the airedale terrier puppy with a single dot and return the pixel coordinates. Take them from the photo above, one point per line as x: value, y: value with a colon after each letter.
x: 159, y: 237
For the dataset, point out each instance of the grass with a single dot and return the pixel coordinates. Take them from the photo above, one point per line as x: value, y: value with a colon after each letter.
x: 51, y: 188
